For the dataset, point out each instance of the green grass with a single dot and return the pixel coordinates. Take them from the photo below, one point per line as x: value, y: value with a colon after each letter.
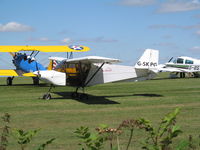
x: 108, y: 104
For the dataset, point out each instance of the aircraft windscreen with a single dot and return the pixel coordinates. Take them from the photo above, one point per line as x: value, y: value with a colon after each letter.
x: 189, y: 62
x: 175, y: 61
x: 180, y: 61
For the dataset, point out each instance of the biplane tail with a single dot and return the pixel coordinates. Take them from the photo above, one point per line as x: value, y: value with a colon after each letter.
x: 54, y: 61
x: 149, y: 60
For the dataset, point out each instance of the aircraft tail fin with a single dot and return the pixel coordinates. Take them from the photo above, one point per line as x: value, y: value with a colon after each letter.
x: 54, y: 61
x: 52, y: 65
x: 149, y: 60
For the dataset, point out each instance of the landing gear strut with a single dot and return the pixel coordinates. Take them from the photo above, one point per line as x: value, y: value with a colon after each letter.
x: 80, y: 96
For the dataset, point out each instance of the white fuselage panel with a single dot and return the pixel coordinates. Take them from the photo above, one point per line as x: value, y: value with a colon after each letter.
x: 114, y: 73
x: 53, y: 77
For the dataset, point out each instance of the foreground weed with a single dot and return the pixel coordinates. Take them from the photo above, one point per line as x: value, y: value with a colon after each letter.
x: 24, y: 137
x: 5, y: 132
x: 130, y: 125
x: 161, y: 138
x: 110, y: 135
x: 44, y: 145
x: 89, y: 140
x: 189, y: 144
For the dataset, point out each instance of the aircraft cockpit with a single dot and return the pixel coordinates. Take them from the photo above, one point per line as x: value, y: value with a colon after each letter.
x: 182, y: 60
x: 76, y: 73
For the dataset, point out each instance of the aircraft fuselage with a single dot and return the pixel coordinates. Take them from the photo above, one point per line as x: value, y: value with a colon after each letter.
x: 26, y: 63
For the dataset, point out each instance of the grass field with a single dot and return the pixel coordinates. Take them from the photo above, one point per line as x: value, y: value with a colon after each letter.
x: 108, y: 104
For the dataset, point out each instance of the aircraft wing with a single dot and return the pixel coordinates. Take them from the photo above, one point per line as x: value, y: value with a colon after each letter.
x: 170, y: 69
x: 11, y: 72
x: 72, y: 48
x: 93, y: 59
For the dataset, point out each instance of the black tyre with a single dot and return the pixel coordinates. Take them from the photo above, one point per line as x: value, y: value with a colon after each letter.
x: 9, y: 81
x: 35, y: 81
x: 47, y: 96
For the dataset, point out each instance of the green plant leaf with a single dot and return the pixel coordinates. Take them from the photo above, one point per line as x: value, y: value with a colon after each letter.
x: 42, y: 146
x: 183, y: 145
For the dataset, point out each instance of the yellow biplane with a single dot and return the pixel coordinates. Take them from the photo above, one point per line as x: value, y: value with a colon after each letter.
x: 26, y: 64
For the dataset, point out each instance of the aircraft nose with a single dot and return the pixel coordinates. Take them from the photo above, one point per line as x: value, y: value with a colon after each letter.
x: 53, y: 77
x: 44, y: 76
x: 37, y: 73
x: 40, y: 74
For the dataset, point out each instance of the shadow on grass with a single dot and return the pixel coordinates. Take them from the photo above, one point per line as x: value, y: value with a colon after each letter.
x: 100, y: 99
x: 91, y: 98
x: 148, y: 95
x: 40, y: 85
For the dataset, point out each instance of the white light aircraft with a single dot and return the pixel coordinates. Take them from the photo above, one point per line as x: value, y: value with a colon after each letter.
x: 92, y: 70
x: 182, y: 65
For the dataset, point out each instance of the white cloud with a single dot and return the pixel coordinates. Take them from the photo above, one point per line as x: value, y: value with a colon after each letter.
x: 198, y: 32
x: 41, y: 39
x: 167, y: 37
x: 174, y: 26
x: 14, y: 27
x: 168, y: 6
x: 137, y: 2
x: 164, y: 26
x: 67, y: 41
x: 195, y: 49
x: 98, y: 40
x: 197, y: 16
x: 179, y: 6
x: 166, y: 44
x: 44, y: 39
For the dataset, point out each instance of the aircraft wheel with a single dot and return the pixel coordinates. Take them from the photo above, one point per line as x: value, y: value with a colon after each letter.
x: 84, y: 97
x: 35, y: 81
x: 47, y: 96
x: 9, y: 81
x: 183, y: 74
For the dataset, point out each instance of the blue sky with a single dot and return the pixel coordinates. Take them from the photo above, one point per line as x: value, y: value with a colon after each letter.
x: 111, y: 28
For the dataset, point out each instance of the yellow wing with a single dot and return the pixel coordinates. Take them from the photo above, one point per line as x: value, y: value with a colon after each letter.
x: 72, y: 48
x: 15, y: 73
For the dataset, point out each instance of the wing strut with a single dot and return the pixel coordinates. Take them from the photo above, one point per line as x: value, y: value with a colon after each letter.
x: 94, y: 74
x: 69, y: 55
x: 37, y: 52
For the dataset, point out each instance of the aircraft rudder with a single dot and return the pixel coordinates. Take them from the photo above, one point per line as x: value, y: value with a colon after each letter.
x: 148, y: 60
